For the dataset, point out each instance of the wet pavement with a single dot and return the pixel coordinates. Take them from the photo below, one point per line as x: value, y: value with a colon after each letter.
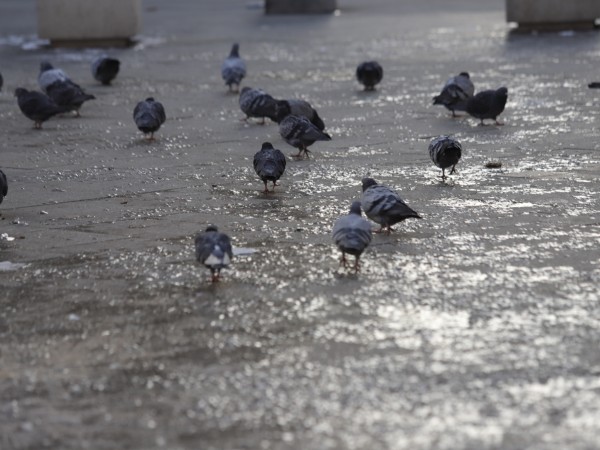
x: 476, y: 327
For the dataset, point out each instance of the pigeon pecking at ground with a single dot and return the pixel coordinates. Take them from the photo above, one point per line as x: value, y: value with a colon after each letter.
x: 269, y: 164
x: 352, y: 235
x: 455, y: 93
x: 3, y: 186
x: 48, y: 75
x: 257, y: 103
x: 37, y: 106
x: 213, y: 249
x: 445, y: 152
x: 488, y: 104
x: 149, y: 115
x: 105, y: 69
x: 284, y: 108
x: 299, y: 132
x: 369, y: 74
x: 384, y: 206
x: 68, y: 95
x: 233, y: 69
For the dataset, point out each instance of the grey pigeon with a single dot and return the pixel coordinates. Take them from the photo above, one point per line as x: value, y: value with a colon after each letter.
x: 299, y: 132
x: 213, y: 249
x: 233, y: 69
x: 105, y: 69
x: 68, y: 94
x: 149, y: 115
x: 455, y: 93
x: 352, y: 235
x: 488, y: 104
x: 445, y: 152
x: 37, y: 106
x: 257, y: 103
x: 269, y: 164
x: 48, y: 75
x: 369, y: 74
x: 384, y: 206
x: 3, y: 186
x: 296, y: 107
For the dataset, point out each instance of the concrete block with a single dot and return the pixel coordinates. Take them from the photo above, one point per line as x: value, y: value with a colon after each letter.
x: 300, y: 6
x: 70, y: 22
x: 553, y: 13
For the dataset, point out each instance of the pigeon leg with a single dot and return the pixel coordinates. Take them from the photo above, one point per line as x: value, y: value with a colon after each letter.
x: 262, y: 122
x: 356, y: 264
x: 266, y: 191
x: 298, y: 155
x: 444, y: 174
x: 37, y: 125
x: 77, y: 114
x: 343, y: 260
x: 275, y: 184
x: 481, y: 123
x: 498, y: 123
x: 453, y: 114
x: 215, y: 276
x: 453, y: 169
x: 306, y: 152
x: 151, y: 138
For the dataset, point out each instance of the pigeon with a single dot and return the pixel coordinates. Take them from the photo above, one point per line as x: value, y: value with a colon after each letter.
x: 257, y: 103
x: 1, y: 82
x: 488, y: 104
x: 445, y: 152
x: 455, y: 93
x: 68, y: 94
x: 302, y: 108
x: 369, y: 73
x: 352, y: 235
x: 3, y: 186
x: 592, y: 85
x: 384, y: 206
x: 105, y: 69
x: 48, y: 75
x: 299, y: 132
x: 213, y: 249
x: 37, y: 106
x: 269, y: 164
x: 233, y: 69
x: 149, y: 115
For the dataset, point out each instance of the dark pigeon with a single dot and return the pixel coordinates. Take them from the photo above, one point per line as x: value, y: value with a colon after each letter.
x: 594, y: 85
x: 257, y: 103
x: 456, y: 92
x: 48, y: 75
x: 37, y: 106
x: 384, y: 206
x: 149, y: 115
x: 488, y: 104
x: 213, y: 249
x: 299, y: 132
x: 68, y: 95
x: 352, y: 235
x: 445, y: 152
x: 233, y: 69
x: 1, y: 82
x: 269, y: 164
x: 369, y: 74
x: 295, y: 107
x: 3, y: 186
x: 105, y: 69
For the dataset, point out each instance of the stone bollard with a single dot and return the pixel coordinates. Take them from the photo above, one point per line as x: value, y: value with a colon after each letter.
x: 553, y: 14
x: 300, y: 6
x: 78, y: 23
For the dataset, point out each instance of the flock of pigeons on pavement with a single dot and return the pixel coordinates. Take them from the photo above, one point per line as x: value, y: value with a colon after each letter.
x: 299, y: 125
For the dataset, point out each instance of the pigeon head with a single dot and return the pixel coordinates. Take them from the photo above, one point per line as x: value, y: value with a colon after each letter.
x: 212, y: 228
x: 235, y: 50
x: 45, y: 65
x: 355, y: 208
x: 20, y: 91
x: 150, y: 99
x: 266, y: 145
x: 502, y: 91
x: 464, y: 74
x: 367, y: 183
x: 282, y: 110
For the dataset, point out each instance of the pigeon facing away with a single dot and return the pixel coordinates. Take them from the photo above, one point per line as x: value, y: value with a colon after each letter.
x: 3, y: 186
x: 269, y: 164
x: 233, y: 69
x: 257, y: 103
x: 302, y: 108
x: 352, y: 235
x: 455, y: 93
x: 68, y: 95
x: 384, y: 206
x: 488, y: 104
x: 213, y: 249
x: 105, y: 69
x: 149, y: 115
x: 445, y: 152
x: 37, y: 106
x: 48, y: 75
x: 369, y: 73
x: 300, y: 133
